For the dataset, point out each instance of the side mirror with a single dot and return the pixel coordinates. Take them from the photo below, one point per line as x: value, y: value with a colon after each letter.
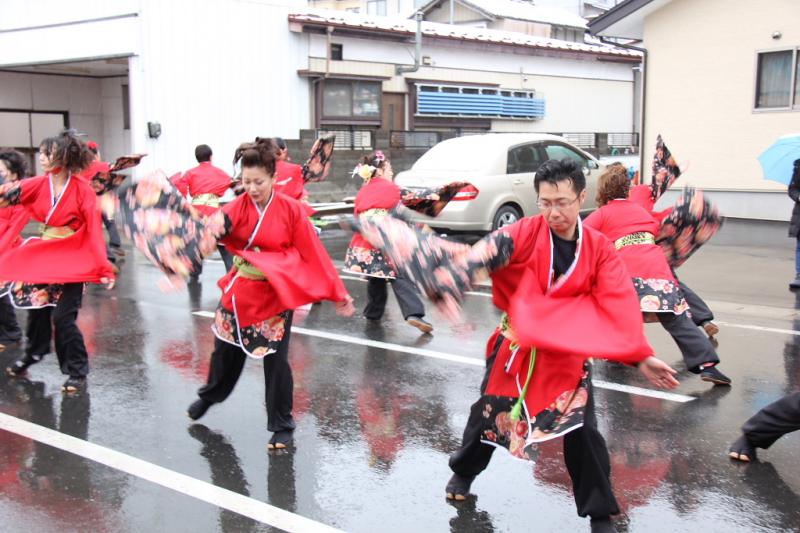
x: 591, y: 164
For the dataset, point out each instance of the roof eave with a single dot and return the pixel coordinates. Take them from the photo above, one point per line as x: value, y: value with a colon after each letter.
x: 624, y: 20
x: 401, y: 34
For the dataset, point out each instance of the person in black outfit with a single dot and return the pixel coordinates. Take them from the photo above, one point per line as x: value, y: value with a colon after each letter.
x: 767, y: 426
x: 794, y: 225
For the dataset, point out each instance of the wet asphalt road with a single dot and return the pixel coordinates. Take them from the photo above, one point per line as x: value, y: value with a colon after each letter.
x: 376, y: 425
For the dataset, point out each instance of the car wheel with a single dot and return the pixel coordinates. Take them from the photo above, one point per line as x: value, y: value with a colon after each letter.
x: 505, y: 216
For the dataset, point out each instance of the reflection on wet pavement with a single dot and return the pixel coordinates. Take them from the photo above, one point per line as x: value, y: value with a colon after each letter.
x: 375, y: 428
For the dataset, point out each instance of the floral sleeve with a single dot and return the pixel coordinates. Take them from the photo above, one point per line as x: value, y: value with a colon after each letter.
x: 665, y: 170
x: 692, y: 222
x: 165, y: 228
x: 10, y: 194
x: 430, y: 201
x: 443, y: 270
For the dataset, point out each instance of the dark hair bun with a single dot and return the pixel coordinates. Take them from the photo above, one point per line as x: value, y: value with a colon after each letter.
x: 260, y: 153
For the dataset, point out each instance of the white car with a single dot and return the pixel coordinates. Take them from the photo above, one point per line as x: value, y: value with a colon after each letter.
x: 501, y: 168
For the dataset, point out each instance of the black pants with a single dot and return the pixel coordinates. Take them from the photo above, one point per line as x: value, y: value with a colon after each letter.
x: 585, y: 455
x: 114, y: 241
x: 227, y: 259
x: 227, y: 362
x: 701, y: 313
x: 9, y: 327
x: 695, y: 347
x: 404, y: 291
x: 773, y: 421
x: 70, y: 348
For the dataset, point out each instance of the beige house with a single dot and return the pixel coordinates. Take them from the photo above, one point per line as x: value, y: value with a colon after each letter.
x: 721, y: 84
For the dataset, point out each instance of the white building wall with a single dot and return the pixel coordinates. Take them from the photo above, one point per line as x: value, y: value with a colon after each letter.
x: 47, y: 31
x: 210, y: 71
x: 216, y: 72
x: 116, y: 139
x: 464, y: 55
x: 581, y: 95
x: 703, y: 106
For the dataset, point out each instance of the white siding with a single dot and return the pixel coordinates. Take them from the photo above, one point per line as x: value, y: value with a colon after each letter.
x: 581, y: 95
x: 216, y: 72
x: 74, y: 40
x: 462, y: 55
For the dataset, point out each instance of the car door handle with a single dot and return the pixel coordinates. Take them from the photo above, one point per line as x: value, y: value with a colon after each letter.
x: 518, y: 182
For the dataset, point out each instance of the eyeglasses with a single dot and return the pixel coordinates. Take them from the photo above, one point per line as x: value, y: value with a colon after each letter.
x: 559, y: 205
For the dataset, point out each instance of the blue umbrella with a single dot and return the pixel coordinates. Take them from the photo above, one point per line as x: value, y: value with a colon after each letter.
x: 777, y: 161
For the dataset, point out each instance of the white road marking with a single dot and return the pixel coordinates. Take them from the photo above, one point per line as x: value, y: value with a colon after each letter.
x: 226, y: 499
x: 630, y: 389
x: 472, y: 361
x: 758, y: 328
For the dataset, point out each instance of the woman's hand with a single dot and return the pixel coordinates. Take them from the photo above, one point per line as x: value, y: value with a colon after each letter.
x: 658, y: 373
x: 345, y: 307
x: 108, y: 282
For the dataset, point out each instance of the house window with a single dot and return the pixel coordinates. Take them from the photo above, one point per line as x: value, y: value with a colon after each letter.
x: 351, y: 99
x: 376, y: 7
x: 777, y: 76
x: 336, y: 51
x: 126, y: 108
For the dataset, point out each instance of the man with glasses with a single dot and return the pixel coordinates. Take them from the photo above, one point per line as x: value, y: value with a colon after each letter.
x: 567, y: 298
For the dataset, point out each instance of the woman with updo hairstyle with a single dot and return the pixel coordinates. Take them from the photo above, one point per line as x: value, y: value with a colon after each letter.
x: 13, y: 167
x: 50, y: 271
x: 279, y: 265
x: 633, y: 230
x: 376, y: 198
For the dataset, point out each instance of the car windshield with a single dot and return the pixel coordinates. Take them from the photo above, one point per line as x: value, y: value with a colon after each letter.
x: 449, y: 156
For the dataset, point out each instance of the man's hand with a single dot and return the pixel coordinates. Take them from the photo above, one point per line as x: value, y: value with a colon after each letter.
x: 658, y: 373
x: 108, y: 282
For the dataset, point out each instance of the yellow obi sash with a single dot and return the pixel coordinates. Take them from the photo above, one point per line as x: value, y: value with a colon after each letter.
x: 374, y: 212
x: 247, y: 270
x: 507, y: 331
x: 640, y: 237
x: 55, y: 232
x: 211, y: 200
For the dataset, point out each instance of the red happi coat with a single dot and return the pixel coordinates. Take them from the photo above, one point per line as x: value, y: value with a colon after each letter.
x: 78, y: 258
x: 12, y: 220
x: 619, y: 218
x: 282, y: 244
x: 289, y: 181
x: 205, y: 178
x: 591, y: 311
x: 377, y: 193
x: 643, y: 196
x: 94, y: 168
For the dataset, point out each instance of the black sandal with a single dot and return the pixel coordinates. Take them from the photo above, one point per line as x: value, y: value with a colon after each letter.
x: 458, y: 487
x: 742, y: 450
x: 73, y: 384
x: 20, y: 366
x: 280, y: 440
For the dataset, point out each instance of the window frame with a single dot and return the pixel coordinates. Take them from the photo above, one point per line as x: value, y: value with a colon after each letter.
x: 325, y: 119
x: 537, y: 146
x: 575, y: 149
x: 793, y: 106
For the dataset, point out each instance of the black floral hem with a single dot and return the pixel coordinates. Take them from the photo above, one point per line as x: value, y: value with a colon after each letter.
x: 521, y: 437
x: 32, y: 295
x: 257, y: 340
x: 660, y: 296
x: 367, y: 262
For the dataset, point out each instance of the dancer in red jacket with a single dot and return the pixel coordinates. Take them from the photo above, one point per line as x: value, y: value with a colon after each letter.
x: 46, y: 274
